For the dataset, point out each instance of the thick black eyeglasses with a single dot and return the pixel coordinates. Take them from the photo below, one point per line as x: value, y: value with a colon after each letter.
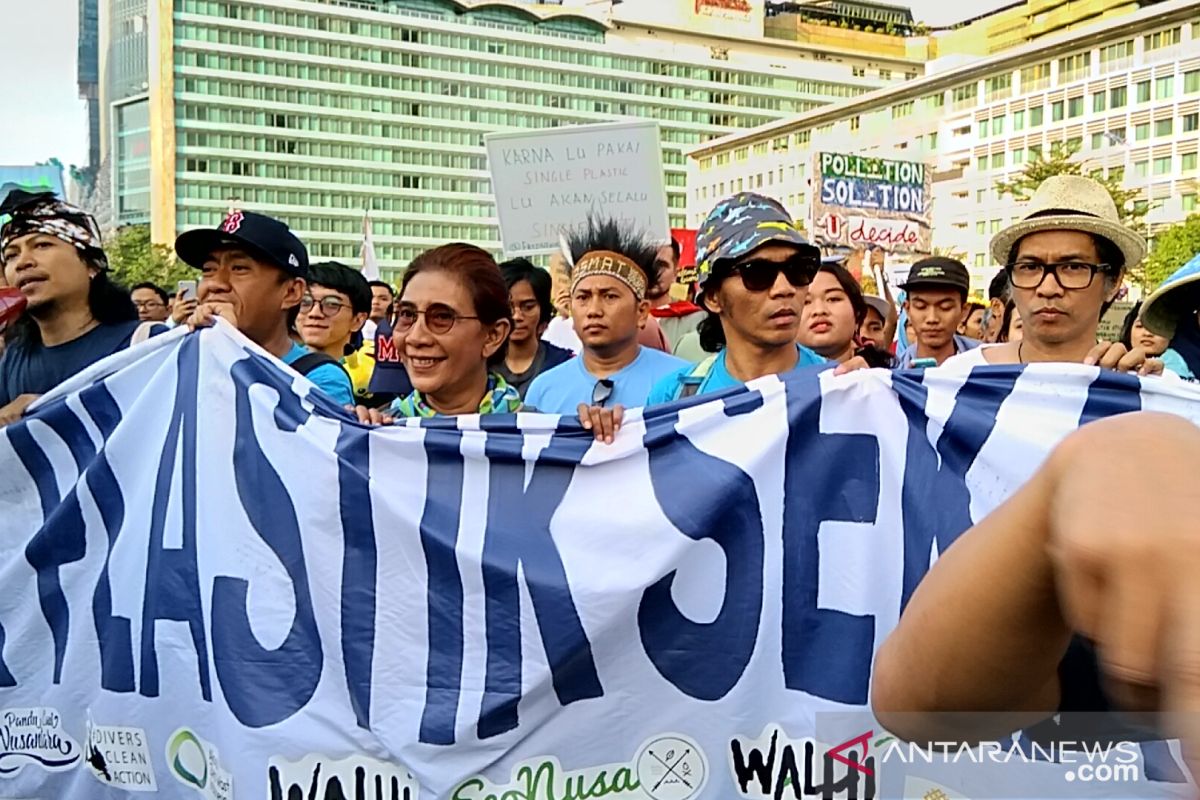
x: 602, y: 391
x: 330, y: 306
x: 760, y: 274
x: 1069, y: 274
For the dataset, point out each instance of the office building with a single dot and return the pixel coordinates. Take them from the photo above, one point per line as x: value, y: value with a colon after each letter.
x: 1125, y: 89
x: 313, y: 110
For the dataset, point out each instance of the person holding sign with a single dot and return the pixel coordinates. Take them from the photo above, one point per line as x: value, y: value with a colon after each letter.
x: 1065, y: 262
x: 614, y: 266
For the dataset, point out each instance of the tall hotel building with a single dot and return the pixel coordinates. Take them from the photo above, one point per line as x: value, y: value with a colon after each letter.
x: 312, y: 110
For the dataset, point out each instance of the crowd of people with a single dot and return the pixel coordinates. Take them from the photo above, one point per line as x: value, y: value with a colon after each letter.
x: 607, y: 328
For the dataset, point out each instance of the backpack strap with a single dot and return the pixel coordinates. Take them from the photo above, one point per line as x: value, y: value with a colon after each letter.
x: 310, y: 361
x: 689, y: 384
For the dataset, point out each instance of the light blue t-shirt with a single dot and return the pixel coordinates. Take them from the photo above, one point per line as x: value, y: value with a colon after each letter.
x: 562, y: 389
x: 329, y: 378
x: 1174, y: 362
x: 718, y: 378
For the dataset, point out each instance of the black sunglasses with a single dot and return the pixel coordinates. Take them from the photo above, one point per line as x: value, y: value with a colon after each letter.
x: 602, y: 391
x: 760, y: 274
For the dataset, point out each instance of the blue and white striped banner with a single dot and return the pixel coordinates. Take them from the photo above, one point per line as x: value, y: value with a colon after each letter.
x: 215, y: 584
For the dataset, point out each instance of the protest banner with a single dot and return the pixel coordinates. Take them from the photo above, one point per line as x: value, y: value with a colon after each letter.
x: 547, y: 181
x: 1109, y: 329
x: 864, y: 201
x: 216, y: 584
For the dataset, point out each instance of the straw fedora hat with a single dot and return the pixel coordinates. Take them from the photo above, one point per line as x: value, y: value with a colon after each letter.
x: 1071, y: 203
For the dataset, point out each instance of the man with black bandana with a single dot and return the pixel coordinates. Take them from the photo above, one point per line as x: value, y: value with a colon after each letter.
x: 75, y: 316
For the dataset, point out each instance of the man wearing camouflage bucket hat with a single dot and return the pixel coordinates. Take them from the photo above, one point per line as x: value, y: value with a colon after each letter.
x: 754, y: 271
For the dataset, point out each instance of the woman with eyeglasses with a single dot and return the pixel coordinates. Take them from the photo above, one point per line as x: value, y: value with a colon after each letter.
x: 452, y: 324
x: 529, y: 299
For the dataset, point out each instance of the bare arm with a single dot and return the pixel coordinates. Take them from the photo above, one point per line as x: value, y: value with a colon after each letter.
x: 1087, y: 546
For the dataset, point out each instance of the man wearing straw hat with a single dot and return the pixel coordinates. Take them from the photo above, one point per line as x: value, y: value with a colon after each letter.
x: 1065, y: 262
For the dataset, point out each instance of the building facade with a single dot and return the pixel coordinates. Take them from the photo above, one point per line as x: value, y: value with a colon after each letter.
x: 314, y: 110
x: 1126, y: 91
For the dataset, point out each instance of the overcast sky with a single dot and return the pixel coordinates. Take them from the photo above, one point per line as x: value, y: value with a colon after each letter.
x: 41, y: 114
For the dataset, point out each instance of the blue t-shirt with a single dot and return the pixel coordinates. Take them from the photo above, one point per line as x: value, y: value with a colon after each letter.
x: 329, y: 378
x: 718, y: 378
x: 562, y: 389
x: 33, y: 368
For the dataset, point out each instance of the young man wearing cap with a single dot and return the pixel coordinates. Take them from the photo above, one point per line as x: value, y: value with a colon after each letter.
x: 754, y: 268
x: 613, y: 267
x: 937, y: 303
x: 74, y: 316
x: 253, y: 274
x: 1065, y: 262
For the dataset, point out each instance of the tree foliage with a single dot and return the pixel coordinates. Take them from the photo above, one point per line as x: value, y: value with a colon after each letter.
x: 1061, y: 161
x: 1173, y: 248
x: 133, y: 258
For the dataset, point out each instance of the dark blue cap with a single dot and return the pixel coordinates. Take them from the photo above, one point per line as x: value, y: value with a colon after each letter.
x: 263, y: 237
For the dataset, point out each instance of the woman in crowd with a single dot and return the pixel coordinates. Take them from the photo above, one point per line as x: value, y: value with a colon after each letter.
x: 972, y: 324
x: 834, y: 312
x: 529, y: 299
x: 1134, y: 333
x: 1011, y: 325
x: 452, y: 325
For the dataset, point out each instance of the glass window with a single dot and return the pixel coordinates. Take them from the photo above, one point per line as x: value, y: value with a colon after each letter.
x: 1189, y: 202
x: 1163, y: 127
x: 1075, y: 107
x: 1164, y: 88
x: 994, y: 226
x: 1056, y: 111
x: 998, y: 125
x: 1118, y: 97
x: 1187, y: 162
x: 1018, y: 156
x: 983, y: 128
x: 1097, y: 141
x: 997, y: 160
x: 981, y: 227
x: 1162, y: 165
x: 981, y: 163
x: 979, y: 259
x: 1141, y: 169
x: 1018, y: 120
x: 1143, y: 92
x: 980, y: 195
x: 1099, y: 102
x: 1191, y: 122
x: 1141, y: 132
x: 1035, y: 116
x: 1191, y: 80
x: 1162, y: 39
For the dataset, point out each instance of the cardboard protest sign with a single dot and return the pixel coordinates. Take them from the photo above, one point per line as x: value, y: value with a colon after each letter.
x: 863, y: 201
x: 548, y: 181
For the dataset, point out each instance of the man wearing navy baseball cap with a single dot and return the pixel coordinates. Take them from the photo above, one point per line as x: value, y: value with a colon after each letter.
x: 254, y: 274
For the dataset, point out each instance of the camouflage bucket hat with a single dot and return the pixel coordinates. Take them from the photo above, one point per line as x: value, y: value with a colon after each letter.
x: 738, y: 226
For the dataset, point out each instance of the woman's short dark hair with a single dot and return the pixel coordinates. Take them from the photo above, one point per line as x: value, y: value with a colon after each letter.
x: 522, y: 269
x: 610, y: 234
x: 1127, y: 325
x: 346, y: 280
x: 478, y: 272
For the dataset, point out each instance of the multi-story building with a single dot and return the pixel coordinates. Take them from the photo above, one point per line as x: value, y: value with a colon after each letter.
x: 88, y: 73
x: 313, y: 110
x: 1126, y: 90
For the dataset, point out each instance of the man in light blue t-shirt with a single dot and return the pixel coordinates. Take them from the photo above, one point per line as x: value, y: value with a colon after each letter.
x: 754, y: 269
x: 612, y: 268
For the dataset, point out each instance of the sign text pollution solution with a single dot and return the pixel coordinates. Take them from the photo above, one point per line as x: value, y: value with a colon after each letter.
x: 862, y: 201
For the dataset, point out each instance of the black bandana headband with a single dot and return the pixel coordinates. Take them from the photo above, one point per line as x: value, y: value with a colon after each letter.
x: 45, y: 213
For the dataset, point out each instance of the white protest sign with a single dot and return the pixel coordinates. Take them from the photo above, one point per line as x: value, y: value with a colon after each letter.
x: 548, y: 181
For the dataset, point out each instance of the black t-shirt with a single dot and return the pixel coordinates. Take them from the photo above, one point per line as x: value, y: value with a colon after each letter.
x: 28, y: 368
x: 548, y: 356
